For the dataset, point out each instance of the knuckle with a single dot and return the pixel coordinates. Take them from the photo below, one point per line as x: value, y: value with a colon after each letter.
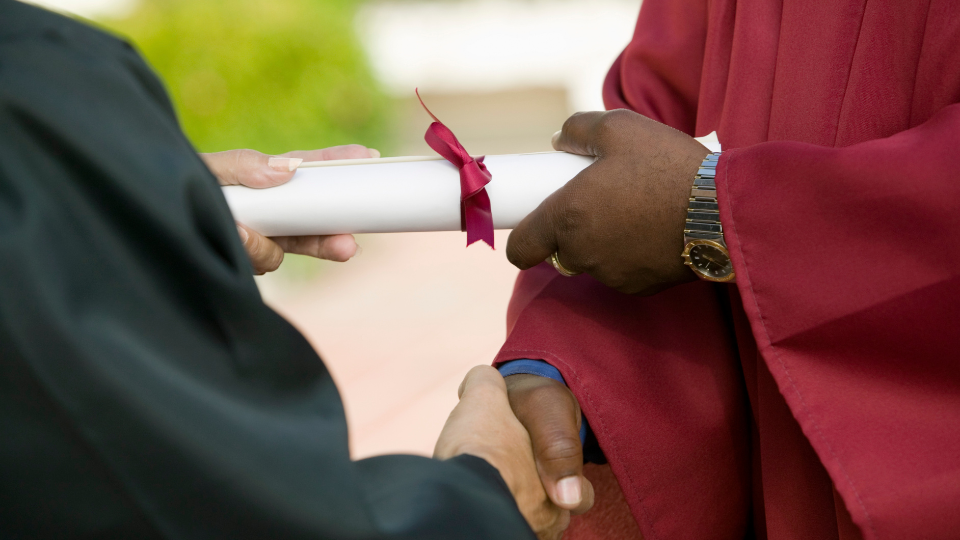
x: 571, y: 121
x: 552, y: 396
x: 568, y: 217
x: 274, y: 259
x: 524, y: 242
x: 617, y: 281
x: 265, y: 257
x: 612, y: 123
x: 247, y: 156
x: 253, y: 246
x: 618, y: 117
x: 562, y: 449
x: 516, y: 253
x: 644, y: 289
x: 587, y: 263
x: 551, y: 525
x: 520, y: 258
x: 524, y: 401
x: 240, y: 164
x: 356, y: 150
x: 627, y: 286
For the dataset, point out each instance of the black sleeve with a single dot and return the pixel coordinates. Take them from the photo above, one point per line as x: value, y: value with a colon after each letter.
x: 145, y: 389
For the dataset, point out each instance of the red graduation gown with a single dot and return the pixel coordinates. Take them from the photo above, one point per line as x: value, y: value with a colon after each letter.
x: 819, y: 397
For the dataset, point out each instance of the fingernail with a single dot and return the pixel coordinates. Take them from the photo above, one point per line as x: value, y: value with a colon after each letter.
x: 374, y: 153
x: 284, y: 164
x: 568, y: 490
x: 553, y: 140
x: 358, y: 252
x: 243, y: 234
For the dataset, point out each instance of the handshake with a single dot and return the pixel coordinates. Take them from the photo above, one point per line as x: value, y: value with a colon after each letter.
x: 527, y: 427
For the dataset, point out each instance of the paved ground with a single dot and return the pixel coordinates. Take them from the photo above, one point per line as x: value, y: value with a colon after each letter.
x: 399, y: 326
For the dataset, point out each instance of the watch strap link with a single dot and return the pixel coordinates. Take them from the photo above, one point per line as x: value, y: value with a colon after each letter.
x: 703, y: 212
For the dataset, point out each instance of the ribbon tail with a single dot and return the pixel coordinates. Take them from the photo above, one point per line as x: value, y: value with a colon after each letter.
x: 477, y: 218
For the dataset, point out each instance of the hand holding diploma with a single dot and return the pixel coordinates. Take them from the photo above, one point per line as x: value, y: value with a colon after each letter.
x: 621, y: 220
x: 412, y: 193
x: 415, y: 194
x: 258, y: 171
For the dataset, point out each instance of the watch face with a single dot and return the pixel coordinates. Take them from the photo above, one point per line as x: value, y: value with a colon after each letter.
x: 710, y: 260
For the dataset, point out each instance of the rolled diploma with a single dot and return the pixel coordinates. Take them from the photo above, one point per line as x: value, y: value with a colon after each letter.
x: 398, y: 197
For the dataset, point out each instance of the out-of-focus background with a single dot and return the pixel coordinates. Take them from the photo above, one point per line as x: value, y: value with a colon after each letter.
x: 401, y: 324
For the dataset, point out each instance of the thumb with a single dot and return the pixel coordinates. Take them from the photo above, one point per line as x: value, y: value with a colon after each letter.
x: 551, y: 416
x: 250, y: 168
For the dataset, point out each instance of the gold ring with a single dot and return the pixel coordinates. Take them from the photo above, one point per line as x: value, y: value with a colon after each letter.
x: 555, y: 261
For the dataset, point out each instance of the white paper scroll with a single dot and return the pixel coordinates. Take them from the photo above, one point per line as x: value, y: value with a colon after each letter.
x: 398, y: 195
x: 368, y: 196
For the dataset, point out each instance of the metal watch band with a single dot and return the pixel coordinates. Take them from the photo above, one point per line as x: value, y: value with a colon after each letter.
x: 703, y: 212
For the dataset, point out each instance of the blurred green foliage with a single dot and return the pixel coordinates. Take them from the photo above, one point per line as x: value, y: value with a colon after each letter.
x: 272, y: 75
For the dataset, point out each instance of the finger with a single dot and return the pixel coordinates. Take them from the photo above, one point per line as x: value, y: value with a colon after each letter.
x: 536, y: 237
x: 559, y: 455
x: 347, y: 151
x: 482, y: 378
x: 579, y: 134
x: 483, y: 397
x: 339, y: 247
x: 550, y: 414
x: 588, y: 498
x: 264, y: 254
x: 250, y: 168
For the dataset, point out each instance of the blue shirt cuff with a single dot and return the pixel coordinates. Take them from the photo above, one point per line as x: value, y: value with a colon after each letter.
x: 531, y: 367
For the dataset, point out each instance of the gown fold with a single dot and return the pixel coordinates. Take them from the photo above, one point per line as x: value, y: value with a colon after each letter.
x: 834, y: 410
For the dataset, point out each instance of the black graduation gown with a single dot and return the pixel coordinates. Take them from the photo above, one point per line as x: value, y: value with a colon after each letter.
x: 145, y: 389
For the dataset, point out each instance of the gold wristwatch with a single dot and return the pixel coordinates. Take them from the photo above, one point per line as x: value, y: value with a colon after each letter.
x: 705, y: 251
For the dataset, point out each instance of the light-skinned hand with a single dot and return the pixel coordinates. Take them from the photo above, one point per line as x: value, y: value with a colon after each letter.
x: 257, y: 170
x: 484, y: 425
x: 621, y: 219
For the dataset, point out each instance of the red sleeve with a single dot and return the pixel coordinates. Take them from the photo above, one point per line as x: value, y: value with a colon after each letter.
x: 658, y: 74
x: 848, y: 263
x: 659, y: 382
x: 657, y: 377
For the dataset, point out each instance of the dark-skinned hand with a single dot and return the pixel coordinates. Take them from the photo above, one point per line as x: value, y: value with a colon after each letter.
x: 621, y: 219
x: 551, y: 415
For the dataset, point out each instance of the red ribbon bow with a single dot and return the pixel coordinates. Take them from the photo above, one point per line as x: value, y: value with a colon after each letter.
x: 475, y: 215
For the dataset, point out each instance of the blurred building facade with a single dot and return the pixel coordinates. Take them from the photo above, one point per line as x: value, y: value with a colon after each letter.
x: 504, y: 74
